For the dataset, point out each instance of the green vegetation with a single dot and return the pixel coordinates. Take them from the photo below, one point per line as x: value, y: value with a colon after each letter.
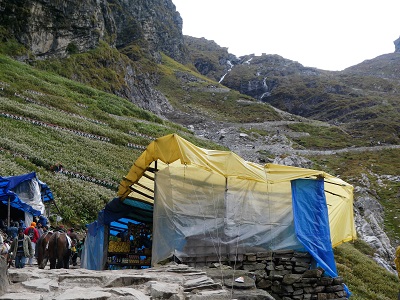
x: 102, y: 68
x: 363, y: 276
x: 60, y: 121
x: 364, y: 106
x: 9, y: 45
x: 189, y: 91
x: 323, y: 137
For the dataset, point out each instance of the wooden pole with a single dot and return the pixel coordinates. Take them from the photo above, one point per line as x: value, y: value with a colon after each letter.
x: 8, y: 212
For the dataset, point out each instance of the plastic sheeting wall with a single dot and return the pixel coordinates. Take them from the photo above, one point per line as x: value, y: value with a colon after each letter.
x: 212, y: 215
x: 29, y: 192
x: 93, y: 251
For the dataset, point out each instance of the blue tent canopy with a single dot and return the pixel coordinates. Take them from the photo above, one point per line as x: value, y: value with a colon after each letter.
x: 21, y: 193
x: 118, y: 215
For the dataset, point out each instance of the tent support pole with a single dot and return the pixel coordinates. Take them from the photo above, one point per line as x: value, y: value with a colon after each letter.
x: 57, y: 207
x: 105, y: 247
x: 48, y: 210
x: 8, y: 212
x: 227, y: 247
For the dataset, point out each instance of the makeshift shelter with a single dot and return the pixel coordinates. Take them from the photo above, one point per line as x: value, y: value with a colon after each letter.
x: 114, y: 219
x: 26, y: 193
x: 209, y: 202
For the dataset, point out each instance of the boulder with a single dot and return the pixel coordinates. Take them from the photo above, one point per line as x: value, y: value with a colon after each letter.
x: 4, y: 282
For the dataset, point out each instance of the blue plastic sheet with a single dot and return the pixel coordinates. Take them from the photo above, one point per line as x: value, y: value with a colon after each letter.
x: 9, y: 185
x: 312, y: 223
x: 92, y: 254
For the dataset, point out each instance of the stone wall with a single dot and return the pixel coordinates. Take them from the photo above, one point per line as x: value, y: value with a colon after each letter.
x: 284, y: 274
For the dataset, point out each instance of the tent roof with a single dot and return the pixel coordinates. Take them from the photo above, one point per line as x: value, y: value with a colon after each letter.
x: 137, y: 187
x: 8, y: 185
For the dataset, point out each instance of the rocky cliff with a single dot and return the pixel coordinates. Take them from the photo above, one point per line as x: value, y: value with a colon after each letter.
x: 58, y: 28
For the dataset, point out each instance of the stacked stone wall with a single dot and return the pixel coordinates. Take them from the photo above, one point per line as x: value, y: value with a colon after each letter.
x: 284, y: 274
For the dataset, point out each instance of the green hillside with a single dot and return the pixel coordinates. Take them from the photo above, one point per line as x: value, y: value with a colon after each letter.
x: 46, y: 120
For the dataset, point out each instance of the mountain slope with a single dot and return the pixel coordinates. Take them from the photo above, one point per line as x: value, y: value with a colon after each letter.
x: 48, y: 120
x: 362, y: 100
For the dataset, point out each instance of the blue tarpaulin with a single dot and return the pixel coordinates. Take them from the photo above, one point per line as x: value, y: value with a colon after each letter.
x: 25, y: 192
x: 92, y: 254
x: 311, y: 222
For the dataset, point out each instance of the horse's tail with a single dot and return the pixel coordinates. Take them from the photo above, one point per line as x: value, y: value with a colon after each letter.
x: 56, y: 244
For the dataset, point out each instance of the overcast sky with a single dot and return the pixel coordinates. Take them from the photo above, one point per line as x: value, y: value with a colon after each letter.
x: 325, y: 34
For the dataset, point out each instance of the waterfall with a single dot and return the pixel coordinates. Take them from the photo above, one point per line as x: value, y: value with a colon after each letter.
x: 265, y: 85
x: 248, y: 61
x: 228, y: 62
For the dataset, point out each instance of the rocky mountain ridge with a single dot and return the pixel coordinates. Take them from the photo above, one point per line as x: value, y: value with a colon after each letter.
x: 357, y: 99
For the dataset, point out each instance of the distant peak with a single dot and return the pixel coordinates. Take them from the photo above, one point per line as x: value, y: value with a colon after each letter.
x: 397, y: 45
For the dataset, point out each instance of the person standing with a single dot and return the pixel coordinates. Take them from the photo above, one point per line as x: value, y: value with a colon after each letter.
x: 43, y: 220
x: 21, y: 248
x: 39, y: 228
x: 74, y: 242
x: 21, y: 224
x: 13, y: 230
x: 33, y: 234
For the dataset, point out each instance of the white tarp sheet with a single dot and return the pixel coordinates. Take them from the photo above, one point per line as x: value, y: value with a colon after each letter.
x: 216, y: 218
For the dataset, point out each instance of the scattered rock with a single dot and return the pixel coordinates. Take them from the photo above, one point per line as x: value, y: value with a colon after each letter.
x: 84, y: 294
x: 4, y: 281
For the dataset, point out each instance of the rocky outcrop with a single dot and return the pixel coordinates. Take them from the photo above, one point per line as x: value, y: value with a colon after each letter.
x: 155, y: 25
x: 58, y: 28
x: 4, y: 282
x: 209, y: 58
x: 397, y: 45
x: 139, y: 89
x: 369, y: 220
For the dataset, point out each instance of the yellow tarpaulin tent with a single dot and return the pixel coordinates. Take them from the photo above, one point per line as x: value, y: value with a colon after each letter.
x: 221, y: 199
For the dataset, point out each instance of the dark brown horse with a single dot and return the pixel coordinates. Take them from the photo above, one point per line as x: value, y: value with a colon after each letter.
x: 41, y: 249
x: 59, y: 250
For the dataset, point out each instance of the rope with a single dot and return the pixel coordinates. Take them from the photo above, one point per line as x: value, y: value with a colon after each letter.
x: 269, y: 218
x: 237, y: 245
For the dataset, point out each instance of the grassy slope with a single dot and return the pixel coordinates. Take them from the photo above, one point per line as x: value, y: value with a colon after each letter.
x: 65, y: 105
x: 363, y: 276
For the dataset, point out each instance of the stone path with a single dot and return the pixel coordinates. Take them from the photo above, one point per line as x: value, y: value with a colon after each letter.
x: 173, y: 282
